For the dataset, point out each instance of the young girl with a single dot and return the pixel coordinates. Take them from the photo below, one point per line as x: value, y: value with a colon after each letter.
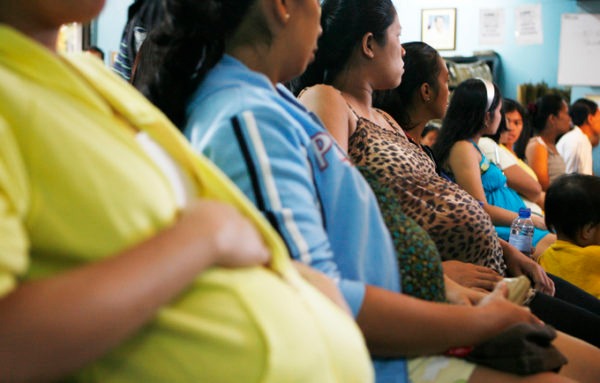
x: 518, y: 131
x: 514, y: 137
x: 475, y: 110
x: 573, y: 212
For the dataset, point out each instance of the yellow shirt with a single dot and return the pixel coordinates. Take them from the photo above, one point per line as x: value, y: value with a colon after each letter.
x: 75, y: 187
x: 575, y: 264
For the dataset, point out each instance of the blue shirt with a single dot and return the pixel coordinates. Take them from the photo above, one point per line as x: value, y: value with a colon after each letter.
x: 283, y: 159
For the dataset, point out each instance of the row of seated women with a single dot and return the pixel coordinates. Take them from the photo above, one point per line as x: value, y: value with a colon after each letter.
x: 449, y: 214
x: 571, y: 210
x: 500, y: 148
x: 544, y: 142
x: 127, y: 257
x: 529, y: 163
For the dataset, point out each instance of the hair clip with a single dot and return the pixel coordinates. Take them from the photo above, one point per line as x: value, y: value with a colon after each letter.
x: 490, y: 92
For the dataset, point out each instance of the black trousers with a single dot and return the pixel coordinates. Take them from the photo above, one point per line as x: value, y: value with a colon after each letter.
x: 571, y: 310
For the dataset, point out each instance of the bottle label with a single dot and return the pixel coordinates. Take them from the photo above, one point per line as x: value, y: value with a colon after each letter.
x: 521, y: 241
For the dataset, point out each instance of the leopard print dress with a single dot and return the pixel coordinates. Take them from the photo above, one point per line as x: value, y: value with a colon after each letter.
x: 456, y: 222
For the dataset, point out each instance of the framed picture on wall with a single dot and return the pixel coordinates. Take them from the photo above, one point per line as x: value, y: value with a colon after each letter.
x: 438, y: 28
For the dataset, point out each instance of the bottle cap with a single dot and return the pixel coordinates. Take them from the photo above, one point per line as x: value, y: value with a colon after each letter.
x: 524, y: 212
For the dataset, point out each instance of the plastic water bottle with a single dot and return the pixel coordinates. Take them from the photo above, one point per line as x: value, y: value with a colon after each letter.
x: 521, y: 231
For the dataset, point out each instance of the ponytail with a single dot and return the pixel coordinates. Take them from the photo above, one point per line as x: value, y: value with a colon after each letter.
x: 542, y: 109
x: 178, y: 54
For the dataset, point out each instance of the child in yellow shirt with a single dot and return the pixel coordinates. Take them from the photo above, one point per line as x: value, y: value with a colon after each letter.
x: 573, y: 212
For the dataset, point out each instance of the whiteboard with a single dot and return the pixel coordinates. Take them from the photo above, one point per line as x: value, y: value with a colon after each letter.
x: 579, y: 52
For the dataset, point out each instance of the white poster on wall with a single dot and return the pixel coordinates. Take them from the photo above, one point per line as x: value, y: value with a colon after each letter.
x: 492, y: 26
x: 528, y: 24
x: 579, y: 50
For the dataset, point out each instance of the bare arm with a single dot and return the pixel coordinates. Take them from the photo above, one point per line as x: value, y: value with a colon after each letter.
x: 537, y: 159
x: 81, y: 314
x: 327, y: 103
x: 324, y: 284
x: 523, y: 183
x: 399, y: 325
x: 464, y: 163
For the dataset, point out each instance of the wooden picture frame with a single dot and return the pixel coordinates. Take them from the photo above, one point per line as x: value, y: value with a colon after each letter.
x: 438, y: 28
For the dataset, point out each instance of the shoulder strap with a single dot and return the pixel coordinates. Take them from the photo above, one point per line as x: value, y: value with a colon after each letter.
x: 476, y: 146
x: 390, y: 120
x: 351, y: 109
x: 484, y: 164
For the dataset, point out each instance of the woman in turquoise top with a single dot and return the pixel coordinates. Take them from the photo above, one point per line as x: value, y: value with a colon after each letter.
x: 498, y: 193
x: 474, y: 111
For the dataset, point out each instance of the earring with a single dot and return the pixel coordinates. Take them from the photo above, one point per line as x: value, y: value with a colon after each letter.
x: 287, y: 17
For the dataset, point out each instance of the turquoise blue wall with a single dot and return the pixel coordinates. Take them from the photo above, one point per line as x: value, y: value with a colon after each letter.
x: 520, y: 63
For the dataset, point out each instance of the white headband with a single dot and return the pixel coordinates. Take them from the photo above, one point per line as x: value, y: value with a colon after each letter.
x: 490, y: 92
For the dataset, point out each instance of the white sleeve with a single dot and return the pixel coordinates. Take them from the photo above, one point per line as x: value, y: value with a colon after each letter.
x: 496, y: 153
